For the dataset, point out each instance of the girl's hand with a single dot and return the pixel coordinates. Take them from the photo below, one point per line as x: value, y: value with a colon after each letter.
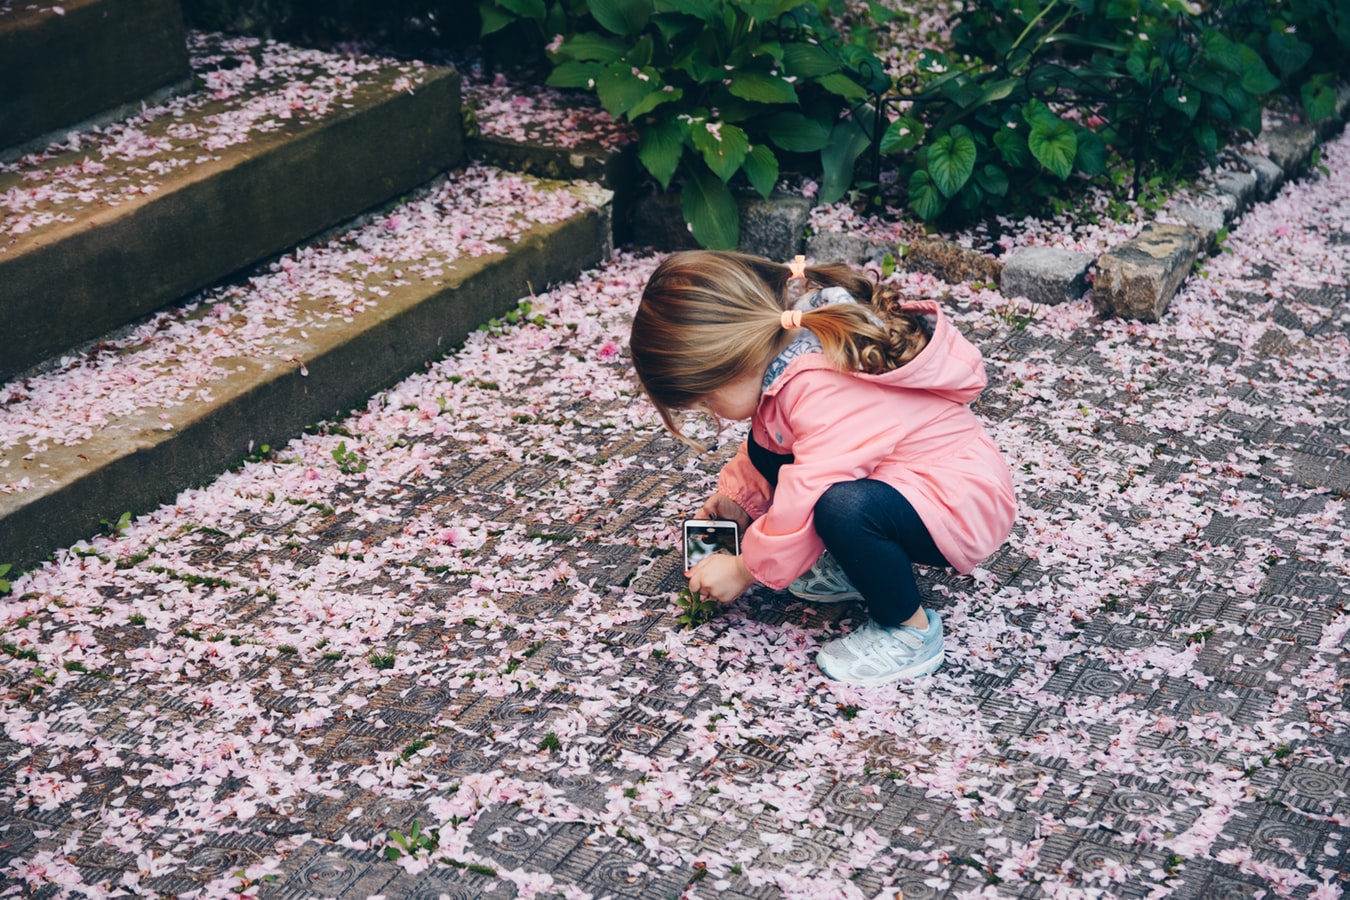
x: 721, y: 576
x: 720, y: 506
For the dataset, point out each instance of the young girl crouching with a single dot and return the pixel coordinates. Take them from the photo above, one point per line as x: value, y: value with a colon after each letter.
x: 862, y: 444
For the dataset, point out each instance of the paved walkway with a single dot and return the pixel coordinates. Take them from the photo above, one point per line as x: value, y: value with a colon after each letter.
x: 447, y: 627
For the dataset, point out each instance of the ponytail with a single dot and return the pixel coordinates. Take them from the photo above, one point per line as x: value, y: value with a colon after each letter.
x: 708, y: 318
x: 874, y: 337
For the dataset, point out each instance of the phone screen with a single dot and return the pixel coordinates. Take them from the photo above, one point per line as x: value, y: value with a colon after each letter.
x: 702, y: 539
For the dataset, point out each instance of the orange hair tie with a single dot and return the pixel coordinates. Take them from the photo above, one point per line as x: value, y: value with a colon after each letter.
x: 791, y: 318
x: 797, y: 268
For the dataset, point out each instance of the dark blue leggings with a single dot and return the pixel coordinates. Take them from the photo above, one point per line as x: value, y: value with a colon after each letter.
x: 875, y: 535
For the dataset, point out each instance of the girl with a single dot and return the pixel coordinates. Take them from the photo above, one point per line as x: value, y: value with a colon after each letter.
x: 861, y: 441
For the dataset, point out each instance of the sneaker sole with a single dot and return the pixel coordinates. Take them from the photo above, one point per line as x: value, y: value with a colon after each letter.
x: 827, y: 598
x: 928, y: 667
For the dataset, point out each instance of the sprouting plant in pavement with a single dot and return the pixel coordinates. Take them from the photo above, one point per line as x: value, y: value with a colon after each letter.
x: 349, y: 462
x: 414, y: 842
x: 697, y: 611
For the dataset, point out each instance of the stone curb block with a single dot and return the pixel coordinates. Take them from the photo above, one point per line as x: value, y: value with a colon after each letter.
x: 1046, y: 275
x: 140, y: 466
x: 838, y: 246
x: 1139, y: 278
x: 951, y: 262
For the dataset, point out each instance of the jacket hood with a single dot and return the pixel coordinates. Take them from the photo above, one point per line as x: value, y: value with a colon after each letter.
x: 949, y: 366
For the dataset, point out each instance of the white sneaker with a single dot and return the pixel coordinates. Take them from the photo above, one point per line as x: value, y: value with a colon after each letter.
x: 825, y: 582
x: 875, y: 654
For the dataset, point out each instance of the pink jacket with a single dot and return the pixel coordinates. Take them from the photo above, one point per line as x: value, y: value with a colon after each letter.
x: 910, y: 427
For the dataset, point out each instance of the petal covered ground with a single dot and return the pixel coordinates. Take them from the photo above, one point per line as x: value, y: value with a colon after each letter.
x: 456, y: 609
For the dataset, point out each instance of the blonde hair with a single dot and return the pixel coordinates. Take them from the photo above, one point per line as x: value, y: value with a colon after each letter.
x: 709, y: 318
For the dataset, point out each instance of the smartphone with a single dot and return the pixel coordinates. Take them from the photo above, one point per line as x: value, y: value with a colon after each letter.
x: 704, y: 537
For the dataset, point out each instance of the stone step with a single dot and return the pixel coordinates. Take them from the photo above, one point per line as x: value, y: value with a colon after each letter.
x: 64, y: 62
x: 277, y: 144
x: 194, y: 389
x: 551, y: 133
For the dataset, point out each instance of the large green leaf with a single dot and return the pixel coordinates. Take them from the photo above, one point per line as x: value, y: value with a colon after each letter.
x: 1208, y: 140
x: 1287, y: 52
x: 1184, y: 101
x: 1319, y: 100
x: 904, y: 133
x: 848, y: 140
x: 999, y: 90
x: 622, y: 17
x: 576, y: 74
x: 530, y: 9
x: 590, y: 46
x: 951, y: 160
x: 1256, y: 78
x: 653, y: 100
x: 1035, y: 112
x: 796, y: 133
x: 1205, y: 80
x: 492, y: 19
x: 660, y: 149
x: 924, y: 197
x: 764, y: 10
x: 722, y: 144
x: 1091, y: 156
x: 1054, y: 146
x: 621, y: 87
x: 761, y: 88
x: 808, y: 60
x: 1221, y: 50
x: 1012, y: 146
x: 710, y: 210
x: 761, y: 167
x: 676, y: 30
x: 841, y: 84
x: 992, y: 180
x: 703, y: 9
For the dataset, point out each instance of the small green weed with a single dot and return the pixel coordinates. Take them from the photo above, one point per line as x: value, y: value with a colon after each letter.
x: 697, y: 611
x: 349, y: 462
x: 119, y: 527
x: 414, y: 842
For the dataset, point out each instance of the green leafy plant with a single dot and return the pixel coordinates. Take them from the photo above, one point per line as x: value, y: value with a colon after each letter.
x: 414, y: 842
x: 696, y: 610
x: 349, y: 462
x: 1035, y: 95
x: 5, y: 586
x: 721, y: 92
x: 119, y: 527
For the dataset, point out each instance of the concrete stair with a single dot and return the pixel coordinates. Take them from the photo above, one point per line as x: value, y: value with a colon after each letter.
x: 64, y: 62
x: 277, y: 145
x: 143, y: 355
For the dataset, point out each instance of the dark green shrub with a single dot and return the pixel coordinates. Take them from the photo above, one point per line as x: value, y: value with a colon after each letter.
x: 721, y: 91
x: 1036, y: 92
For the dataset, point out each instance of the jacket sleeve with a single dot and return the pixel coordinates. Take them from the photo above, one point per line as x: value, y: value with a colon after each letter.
x: 741, y: 481
x: 822, y: 406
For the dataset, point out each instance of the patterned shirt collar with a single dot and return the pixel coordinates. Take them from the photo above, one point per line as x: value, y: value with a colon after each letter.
x: 804, y: 341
